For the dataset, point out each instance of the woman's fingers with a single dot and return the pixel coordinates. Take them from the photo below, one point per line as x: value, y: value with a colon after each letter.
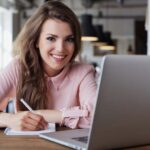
x: 40, y: 119
x: 33, y: 122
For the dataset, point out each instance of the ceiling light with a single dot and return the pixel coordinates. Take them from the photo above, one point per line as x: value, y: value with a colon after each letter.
x: 88, y: 31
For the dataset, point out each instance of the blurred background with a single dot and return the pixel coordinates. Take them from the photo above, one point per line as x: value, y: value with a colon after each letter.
x: 108, y: 26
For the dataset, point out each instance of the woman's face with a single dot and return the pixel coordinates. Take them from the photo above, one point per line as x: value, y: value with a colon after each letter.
x: 56, y: 45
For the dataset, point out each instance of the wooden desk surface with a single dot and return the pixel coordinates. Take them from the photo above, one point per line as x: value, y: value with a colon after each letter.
x: 27, y: 143
x: 36, y: 143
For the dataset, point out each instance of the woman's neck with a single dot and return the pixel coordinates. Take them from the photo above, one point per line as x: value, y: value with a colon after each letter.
x: 51, y: 72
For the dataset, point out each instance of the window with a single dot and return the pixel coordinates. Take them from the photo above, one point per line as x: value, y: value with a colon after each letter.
x: 5, y: 37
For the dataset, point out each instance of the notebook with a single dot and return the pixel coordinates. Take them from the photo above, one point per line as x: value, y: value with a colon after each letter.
x: 51, y: 128
x: 122, y: 111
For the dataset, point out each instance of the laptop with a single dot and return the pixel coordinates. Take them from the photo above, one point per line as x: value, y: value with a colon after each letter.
x: 122, y: 111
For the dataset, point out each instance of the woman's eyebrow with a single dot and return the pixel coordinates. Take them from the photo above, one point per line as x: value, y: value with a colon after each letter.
x: 49, y: 34
x: 71, y: 36
x: 67, y: 36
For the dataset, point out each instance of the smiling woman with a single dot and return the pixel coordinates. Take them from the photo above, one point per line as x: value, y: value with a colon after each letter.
x: 45, y: 74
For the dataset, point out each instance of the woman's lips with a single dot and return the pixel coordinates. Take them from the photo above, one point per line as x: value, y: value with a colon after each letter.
x: 58, y: 57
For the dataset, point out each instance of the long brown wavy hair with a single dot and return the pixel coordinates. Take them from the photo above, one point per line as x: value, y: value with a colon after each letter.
x: 31, y: 84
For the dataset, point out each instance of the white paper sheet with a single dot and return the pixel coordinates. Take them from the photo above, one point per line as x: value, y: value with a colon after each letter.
x: 51, y: 128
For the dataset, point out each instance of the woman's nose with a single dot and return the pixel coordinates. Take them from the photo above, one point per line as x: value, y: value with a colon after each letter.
x: 60, y: 46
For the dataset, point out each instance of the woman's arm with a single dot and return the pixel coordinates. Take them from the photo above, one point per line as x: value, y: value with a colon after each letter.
x: 87, y: 96
x: 8, y: 81
x: 53, y: 116
x: 81, y: 116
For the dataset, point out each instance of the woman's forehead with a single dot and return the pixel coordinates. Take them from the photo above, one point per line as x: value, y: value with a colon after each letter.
x: 53, y: 26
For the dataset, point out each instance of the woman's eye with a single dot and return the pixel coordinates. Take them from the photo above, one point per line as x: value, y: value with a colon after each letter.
x: 50, y: 38
x: 71, y: 39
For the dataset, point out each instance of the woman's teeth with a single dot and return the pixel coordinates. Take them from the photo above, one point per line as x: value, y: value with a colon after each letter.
x: 58, y: 56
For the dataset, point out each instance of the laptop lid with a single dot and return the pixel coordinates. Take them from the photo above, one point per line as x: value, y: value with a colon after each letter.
x: 122, y: 113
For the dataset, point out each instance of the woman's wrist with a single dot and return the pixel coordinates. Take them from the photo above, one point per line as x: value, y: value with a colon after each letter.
x: 5, y: 119
x: 53, y: 116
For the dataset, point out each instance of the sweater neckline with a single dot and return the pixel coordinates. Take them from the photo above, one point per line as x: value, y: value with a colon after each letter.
x: 58, y: 79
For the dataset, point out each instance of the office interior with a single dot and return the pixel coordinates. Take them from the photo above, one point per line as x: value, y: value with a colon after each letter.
x: 122, y: 23
x: 119, y: 25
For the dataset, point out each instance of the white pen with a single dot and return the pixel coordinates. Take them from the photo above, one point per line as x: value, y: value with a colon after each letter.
x: 26, y: 105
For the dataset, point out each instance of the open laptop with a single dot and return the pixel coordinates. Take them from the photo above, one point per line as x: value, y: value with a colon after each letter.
x: 122, y: 111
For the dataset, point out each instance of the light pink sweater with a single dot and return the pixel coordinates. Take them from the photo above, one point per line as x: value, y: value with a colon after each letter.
x: 73, y: 92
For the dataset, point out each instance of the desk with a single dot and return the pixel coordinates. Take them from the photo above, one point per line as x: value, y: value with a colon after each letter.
x: 27, y: 143
x: 36, y: 143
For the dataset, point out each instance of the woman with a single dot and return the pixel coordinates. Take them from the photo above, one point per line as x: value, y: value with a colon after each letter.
x: 45, y: 74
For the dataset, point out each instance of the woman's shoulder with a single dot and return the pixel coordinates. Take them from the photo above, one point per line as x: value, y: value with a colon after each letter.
x: 12, y: 66
x: 14, y: 61
x: 11, y: 71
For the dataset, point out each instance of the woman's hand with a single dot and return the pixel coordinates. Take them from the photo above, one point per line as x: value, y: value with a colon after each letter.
x: 26, y: 121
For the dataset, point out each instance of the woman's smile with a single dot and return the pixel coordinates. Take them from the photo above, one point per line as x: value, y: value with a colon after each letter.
x: 58, y: 58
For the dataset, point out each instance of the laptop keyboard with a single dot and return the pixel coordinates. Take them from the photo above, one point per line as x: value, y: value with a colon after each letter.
x: 83, y: 139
